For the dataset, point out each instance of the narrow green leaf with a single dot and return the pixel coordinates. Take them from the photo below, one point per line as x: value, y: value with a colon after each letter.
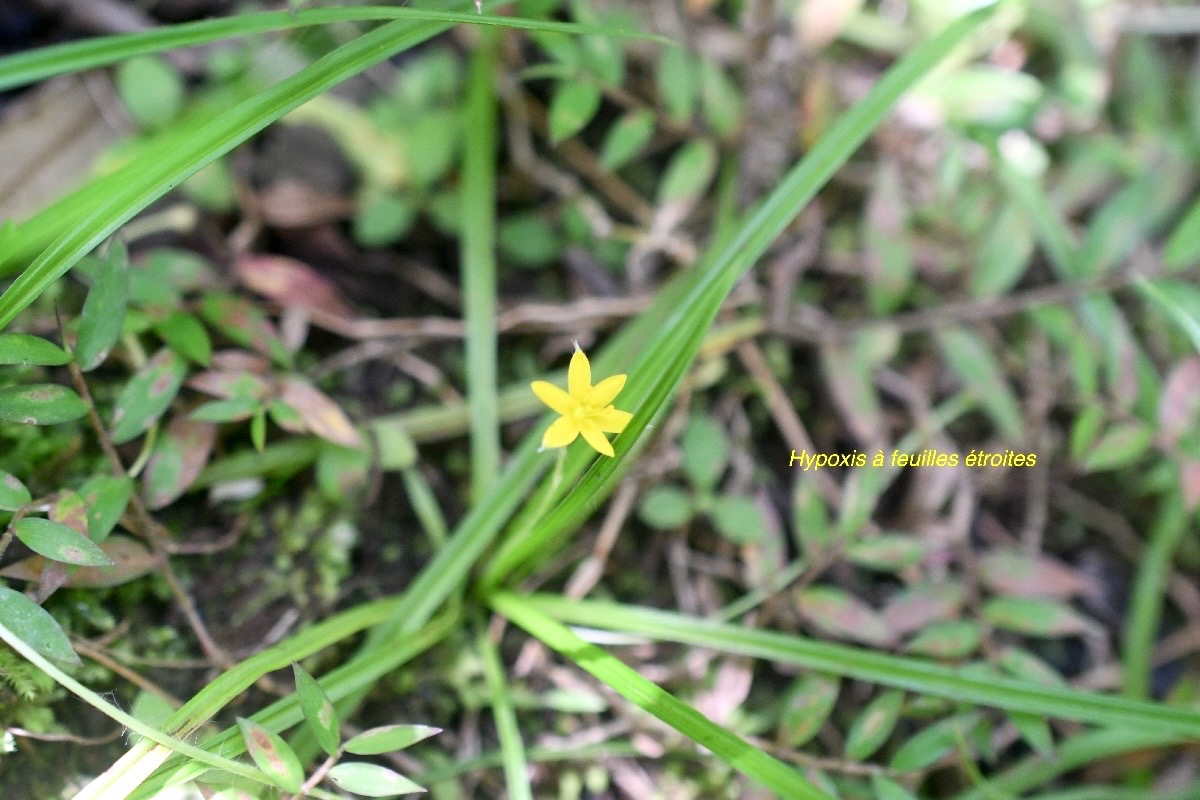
x: 389, y: 738
x: 665, y: 507
x: 806, y: 706
x: 40, y: 404
x: 371, y: 780
x: 888, y: 789
x: 184, y: 334
x: 888, y: 552
x: 1034, y: 616
x: 689, y: 172
x: 678, y: 82
x: 1183, y: 245
x: 147, y: 395
x: 946, y: 639
x: 104, y: 309
x: 873, y: 725
x: 1035, y: 730
x: 1121, y: 446
x: 970, y: 357
x: 572, y: 107
x: 318, y: 711
x: 235, y: 409
x: 626, y: 138
x: 928, y: 746
x: 32, y: 625
x: 105, y: 497
x: 917, y: 675
x: 13, y: 493
x: 24, y: 349
x: 59, y: 542
x: 272, y: 755
x: 749, y: 760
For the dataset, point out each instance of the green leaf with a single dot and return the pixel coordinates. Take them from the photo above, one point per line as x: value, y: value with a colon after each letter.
x: 371, y: 780
x: 806, y: 706
x: 689, y: 172
x: 1004, y: 254
x: 665, y: 507
x: 151, y: 90
x: 1120, y: 447
x: 946, y: 639
x: 705, y: 452
x: 104, y: 309
x: 40, y: 404
x: 35, y: 627
x: 1034, y: 616
x: 24, y: 349
x: 389, y: 738
x: 626, y: 138
x: 235, y: 409
x: 572, y: 107
x: 1183, y: 245
x: 678, y: 82
x: 739, y: 519
x: 272, y: 755
x: 147, y: 395
x: 971, y: 358
x: 1035, y: 730
x: 888, y: 552
x: 928, y: 746
x: 245, y: 323
x: 318, y: 711
x: 383, y: 219
x: 184, y: 334
x: 887, y: 789
x: 529, y: 240
x: 13, y: 493
x: 179, y: 455
x: 105, y: 497
x: 59, y: 542
x: 719, y: 99
x: 842, y: 615
x: 873, y: 726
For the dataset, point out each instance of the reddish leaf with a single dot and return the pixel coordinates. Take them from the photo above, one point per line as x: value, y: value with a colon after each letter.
x: 131, y: 560
x: 913, y: 609
x: 1011, y: 572
x: 322, y: 416
x: 240, y: 361
x: 70, y: 510
x: 290, y: 283
x: 179, y: 456
x: 229, y: 384
x: 1180, y: 401
x: 843, y: 616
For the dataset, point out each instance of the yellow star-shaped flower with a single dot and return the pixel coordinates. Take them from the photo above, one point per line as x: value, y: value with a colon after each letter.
x: 585, y: 409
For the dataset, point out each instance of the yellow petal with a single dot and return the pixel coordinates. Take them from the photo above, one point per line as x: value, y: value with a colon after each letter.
x: 595, y: 438
x: 556, y: 398
x: 612, y: 420
x: 579, y: 375
x: 605, y: 391
x: 561, y: 433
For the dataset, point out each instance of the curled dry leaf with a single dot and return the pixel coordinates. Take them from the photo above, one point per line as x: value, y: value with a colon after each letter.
x: 321, y: 415
x: 291, y: 284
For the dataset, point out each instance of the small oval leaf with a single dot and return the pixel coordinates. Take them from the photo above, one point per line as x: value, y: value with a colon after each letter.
x: 40, y: 404
x: 59, y: 542
x: 147, y: 395
x: 572, y: 107
x: 104, y: 309
x: 318, y: 711
x: 371, y: 780
x: 389, y: 738
x: 874, y: 725
x: 33, y: 625
x: 22, y: 348
x: 13, y: 493
x: 806, y: 707
x: 272, y: 755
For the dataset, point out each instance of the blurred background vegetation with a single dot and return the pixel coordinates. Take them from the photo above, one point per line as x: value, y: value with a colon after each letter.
x: 276, y: 351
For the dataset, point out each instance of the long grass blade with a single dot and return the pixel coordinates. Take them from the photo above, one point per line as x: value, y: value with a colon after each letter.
x: 855, y: 662
x: 754, y: 763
